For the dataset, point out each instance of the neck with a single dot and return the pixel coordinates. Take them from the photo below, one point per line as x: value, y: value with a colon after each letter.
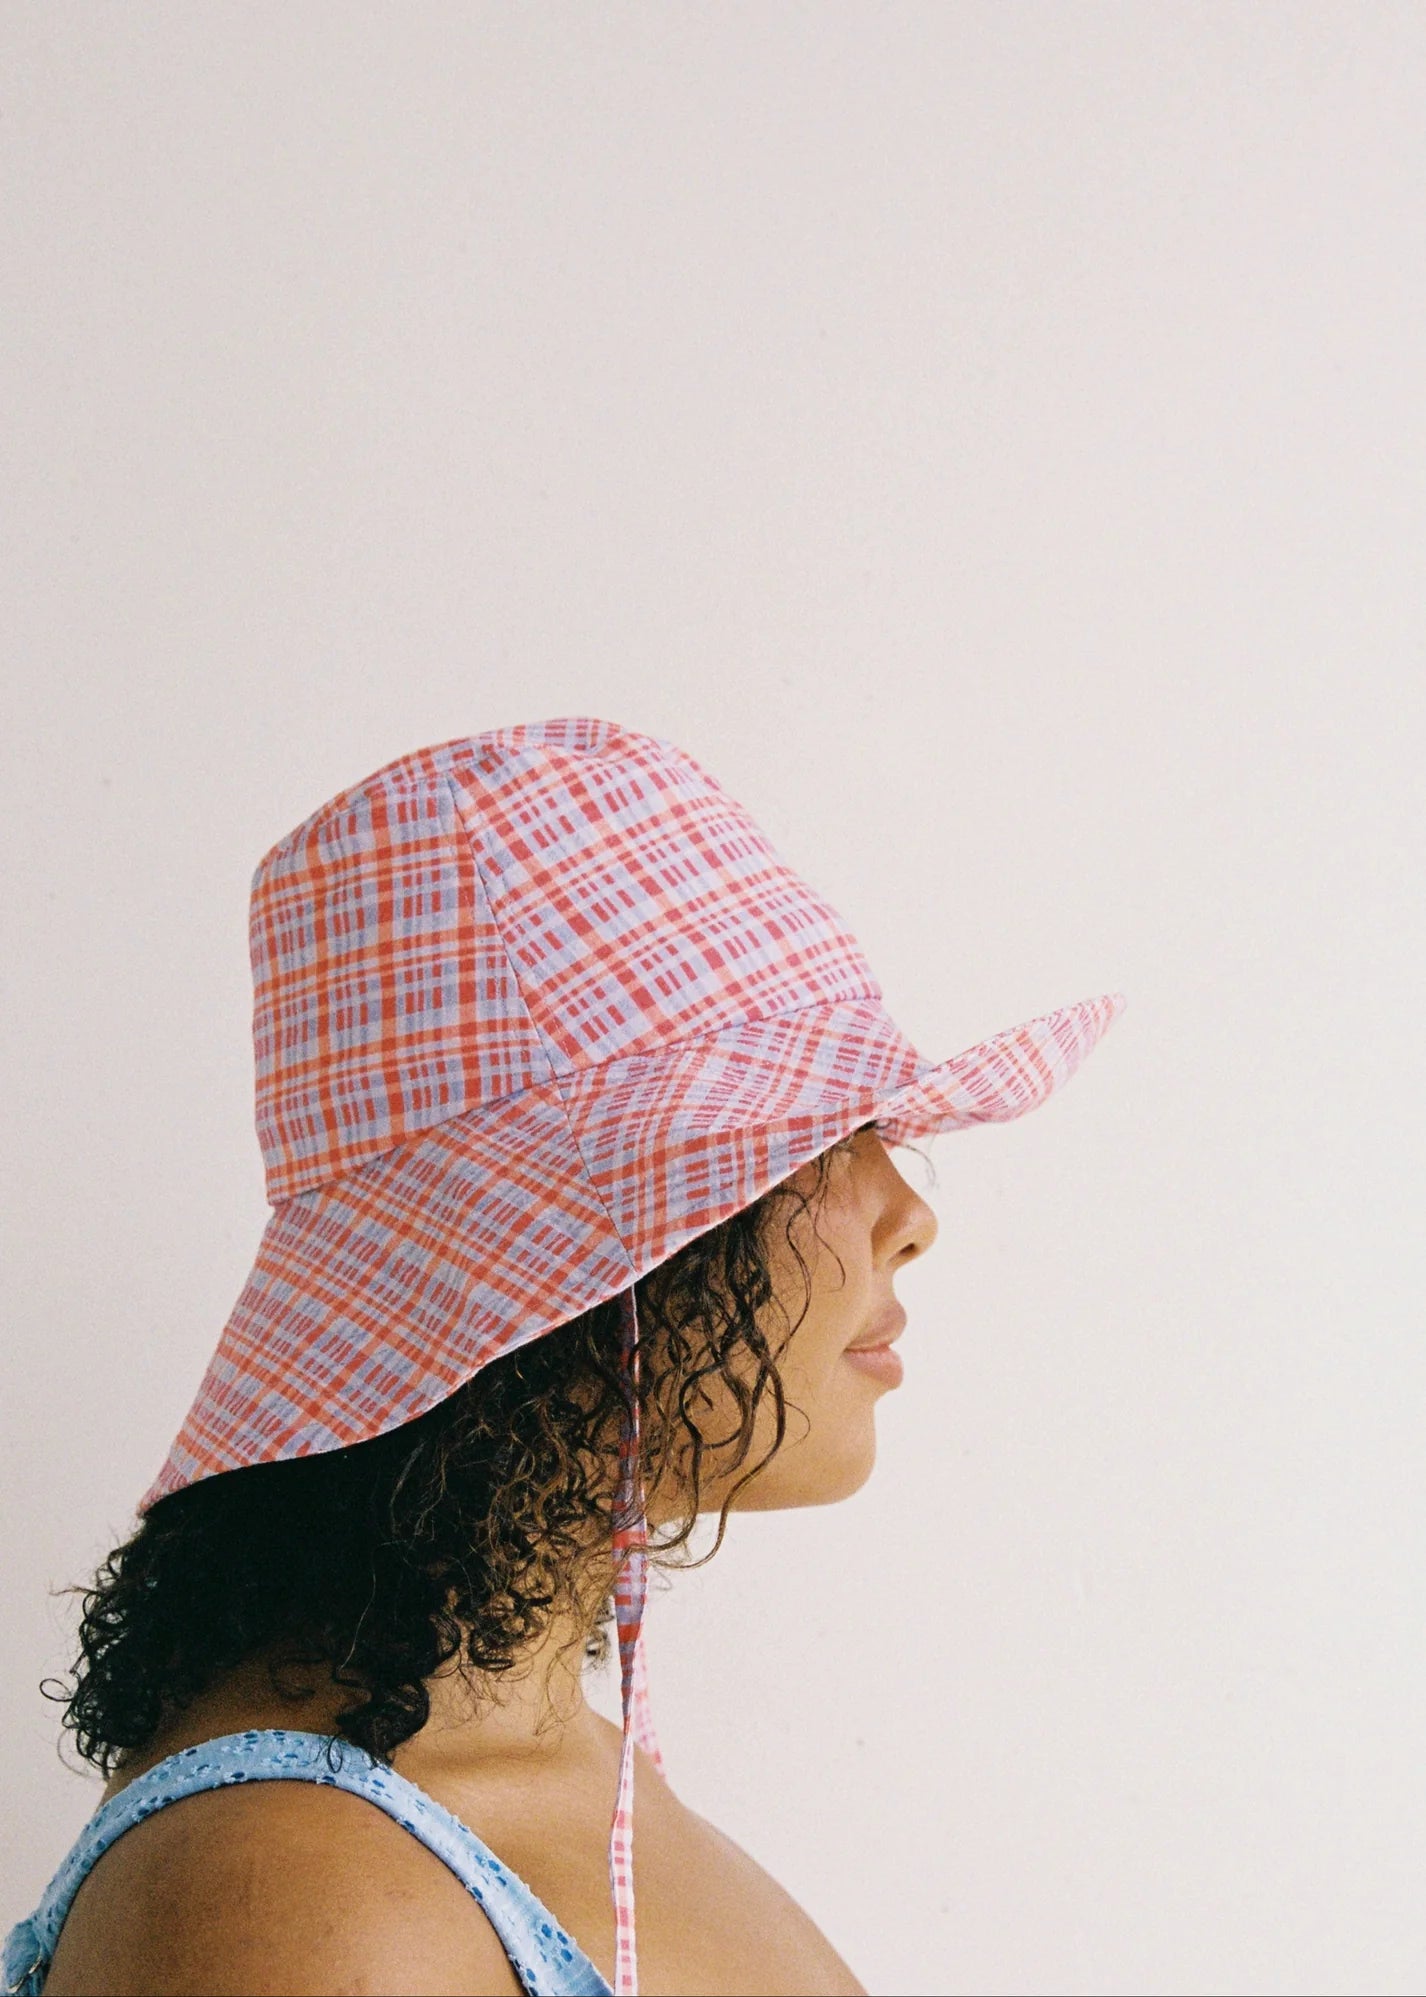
x: 535, y: 1712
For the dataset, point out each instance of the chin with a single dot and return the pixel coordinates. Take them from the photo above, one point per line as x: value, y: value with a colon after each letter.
x: 853, y: 1476
x: 825, y: 1480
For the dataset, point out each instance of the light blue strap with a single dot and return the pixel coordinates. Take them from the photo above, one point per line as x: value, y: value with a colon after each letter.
x: 24, y: 1960
x: 548, y: 1962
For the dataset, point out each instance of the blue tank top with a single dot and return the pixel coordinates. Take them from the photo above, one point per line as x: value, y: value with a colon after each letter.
x: 542, y: 1955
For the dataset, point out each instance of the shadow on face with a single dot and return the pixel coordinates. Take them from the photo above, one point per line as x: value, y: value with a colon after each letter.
x: 868, y: 1223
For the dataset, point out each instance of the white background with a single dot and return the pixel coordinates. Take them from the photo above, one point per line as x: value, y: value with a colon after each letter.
x: 991, y: 438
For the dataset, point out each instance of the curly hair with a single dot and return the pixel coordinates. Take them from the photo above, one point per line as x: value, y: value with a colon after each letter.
x: 462, y: 1532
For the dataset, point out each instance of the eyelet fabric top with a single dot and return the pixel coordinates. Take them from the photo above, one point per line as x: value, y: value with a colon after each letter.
x: 544, y: 1957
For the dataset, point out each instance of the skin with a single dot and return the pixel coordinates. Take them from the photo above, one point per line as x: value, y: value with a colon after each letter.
x: 873, y: 1222
x: 288, y: 1887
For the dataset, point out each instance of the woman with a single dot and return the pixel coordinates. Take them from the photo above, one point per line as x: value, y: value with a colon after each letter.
x: 575, y: 1103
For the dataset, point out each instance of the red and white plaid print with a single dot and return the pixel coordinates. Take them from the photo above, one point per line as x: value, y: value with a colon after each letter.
x: 532, y: 1009
x: 629, y: 1551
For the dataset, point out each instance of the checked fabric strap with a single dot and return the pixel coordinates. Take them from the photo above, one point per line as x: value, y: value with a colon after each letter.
x: 629, y: 1583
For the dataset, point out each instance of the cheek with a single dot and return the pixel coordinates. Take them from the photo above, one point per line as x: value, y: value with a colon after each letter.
x: 821, y: 1390
x: 830, y: 1302
x: 813, y: 1366
x: 830, y: 1447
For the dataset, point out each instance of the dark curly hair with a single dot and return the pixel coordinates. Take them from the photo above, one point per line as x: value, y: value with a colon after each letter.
x: 462, y: 1532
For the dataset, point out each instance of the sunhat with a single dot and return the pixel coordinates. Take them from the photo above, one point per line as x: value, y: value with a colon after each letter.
x: 532, y: 1009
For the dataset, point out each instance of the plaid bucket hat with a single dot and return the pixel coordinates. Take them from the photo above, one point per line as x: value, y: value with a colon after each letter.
x: 532, y: 1009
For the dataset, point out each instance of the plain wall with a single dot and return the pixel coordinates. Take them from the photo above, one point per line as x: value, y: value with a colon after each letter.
x: 991, y: 438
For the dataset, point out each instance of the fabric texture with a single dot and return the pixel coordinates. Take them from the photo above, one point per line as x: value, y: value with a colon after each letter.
x: 533, y: 1009
x: 543, y: 1956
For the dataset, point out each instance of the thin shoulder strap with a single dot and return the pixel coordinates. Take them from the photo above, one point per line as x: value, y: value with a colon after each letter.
x: 542, y: 1955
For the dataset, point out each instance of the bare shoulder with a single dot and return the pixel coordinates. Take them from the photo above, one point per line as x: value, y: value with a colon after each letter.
x: 794, y: 1953
x: 275, y: 1887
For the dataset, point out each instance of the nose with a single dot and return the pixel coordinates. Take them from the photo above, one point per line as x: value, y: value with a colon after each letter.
x: 909, y: 1223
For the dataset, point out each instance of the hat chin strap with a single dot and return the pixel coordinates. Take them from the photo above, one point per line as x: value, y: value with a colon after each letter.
x: 629, y: 1579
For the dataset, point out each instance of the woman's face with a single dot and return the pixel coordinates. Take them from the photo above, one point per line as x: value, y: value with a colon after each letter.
x: 872, y: 1223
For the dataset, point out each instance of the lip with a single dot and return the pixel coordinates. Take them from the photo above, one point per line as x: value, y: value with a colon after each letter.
x: 880, y: 1361
x: 888, y: 1327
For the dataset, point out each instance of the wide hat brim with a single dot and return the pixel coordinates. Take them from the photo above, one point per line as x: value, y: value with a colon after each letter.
x: 375, y: 1296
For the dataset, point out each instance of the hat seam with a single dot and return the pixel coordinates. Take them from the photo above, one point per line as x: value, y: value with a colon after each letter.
x: 557, y: 1081
x: 544, y: 1044
x: 553, y: 1053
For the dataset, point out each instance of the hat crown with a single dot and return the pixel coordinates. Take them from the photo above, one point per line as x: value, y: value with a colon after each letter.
x: 503, y: 911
